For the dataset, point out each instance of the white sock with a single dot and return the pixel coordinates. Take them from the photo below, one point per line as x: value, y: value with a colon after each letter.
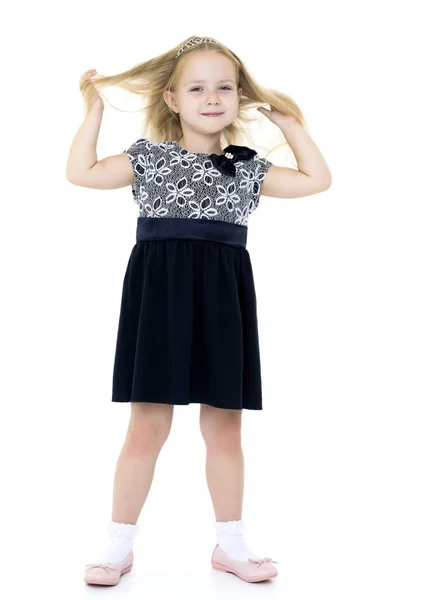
x: 230, y: 539
x: 117, y: 543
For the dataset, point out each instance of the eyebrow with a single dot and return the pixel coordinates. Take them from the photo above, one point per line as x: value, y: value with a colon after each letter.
x: 203, y: 81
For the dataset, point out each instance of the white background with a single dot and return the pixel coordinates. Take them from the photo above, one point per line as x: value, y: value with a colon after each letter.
x: 336, y: 469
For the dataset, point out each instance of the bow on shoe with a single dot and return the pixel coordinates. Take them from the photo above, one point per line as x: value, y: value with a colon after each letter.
x: 262, y: 560
x: 231, y: 154
x: 102, y: 566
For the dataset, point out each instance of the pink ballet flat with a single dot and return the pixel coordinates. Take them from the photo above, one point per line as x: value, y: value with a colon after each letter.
x: 108, y: 573
x: 249, y: 570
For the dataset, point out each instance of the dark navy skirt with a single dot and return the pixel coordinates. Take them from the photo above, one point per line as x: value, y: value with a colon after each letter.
x: 187, y: 328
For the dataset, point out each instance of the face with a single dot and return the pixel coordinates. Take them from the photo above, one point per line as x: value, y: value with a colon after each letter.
x: 216, y: 92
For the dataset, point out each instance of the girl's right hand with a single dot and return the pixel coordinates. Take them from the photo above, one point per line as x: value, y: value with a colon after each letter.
x: 92, y: 96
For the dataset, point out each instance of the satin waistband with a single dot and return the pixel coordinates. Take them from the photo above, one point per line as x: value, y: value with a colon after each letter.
x: 160, y: 228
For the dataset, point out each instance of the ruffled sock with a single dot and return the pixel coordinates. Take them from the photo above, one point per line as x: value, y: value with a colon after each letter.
x: 231, y: 540
x: 118, y: 542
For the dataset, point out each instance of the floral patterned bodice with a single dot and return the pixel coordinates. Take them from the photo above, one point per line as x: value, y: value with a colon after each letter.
x: 170, y: 181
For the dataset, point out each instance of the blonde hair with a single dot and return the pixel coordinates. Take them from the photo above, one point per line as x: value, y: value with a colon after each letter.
x: 151, y: 77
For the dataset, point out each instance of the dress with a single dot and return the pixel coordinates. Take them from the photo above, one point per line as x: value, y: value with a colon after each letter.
x: 188, y: 330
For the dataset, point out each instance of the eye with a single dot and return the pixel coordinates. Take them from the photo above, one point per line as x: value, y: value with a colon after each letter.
x: 226, y: 87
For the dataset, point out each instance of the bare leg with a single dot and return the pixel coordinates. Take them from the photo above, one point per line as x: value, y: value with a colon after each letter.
x: 148, y: 430
x: 221, y: 430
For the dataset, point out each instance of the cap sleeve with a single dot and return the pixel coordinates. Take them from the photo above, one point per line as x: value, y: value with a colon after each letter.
x: 138, y: 154
x: 260, y: 167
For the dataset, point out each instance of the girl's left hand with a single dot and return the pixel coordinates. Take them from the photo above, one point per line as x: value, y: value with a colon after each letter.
x: 276, y: 117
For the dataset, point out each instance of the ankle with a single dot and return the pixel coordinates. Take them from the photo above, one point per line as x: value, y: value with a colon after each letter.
x: 230, y: 538
x: 116, y: 528
x: 117, y: 543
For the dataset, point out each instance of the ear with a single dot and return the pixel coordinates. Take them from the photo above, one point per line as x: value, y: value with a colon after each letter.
x: 239, y: 93
x: 170, y: 100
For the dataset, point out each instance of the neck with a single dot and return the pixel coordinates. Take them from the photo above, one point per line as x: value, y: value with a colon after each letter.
x: 193, y: 147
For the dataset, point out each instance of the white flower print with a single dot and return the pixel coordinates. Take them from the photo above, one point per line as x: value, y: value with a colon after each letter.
x: 247, y: 179
x: 241, y: 216
x: 141, y: 164
x: 157, y: 171
x: 139, y: 153
x: 228, y: 195
x: 183, y: 160
x: 251, y: 181
x: 165, y: 146
x: 251, y: 207
x: 179, y: 192
x: 157, y: 210
x: 140, y: 196
x: 202, y: 209
x: 205, y: 172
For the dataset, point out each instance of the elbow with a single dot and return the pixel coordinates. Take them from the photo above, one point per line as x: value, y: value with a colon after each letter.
x: 69, y: 176
x: 326, y: 183
x: 73, y: 179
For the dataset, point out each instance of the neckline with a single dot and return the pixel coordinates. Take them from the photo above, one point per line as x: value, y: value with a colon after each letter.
x: 195, y: 153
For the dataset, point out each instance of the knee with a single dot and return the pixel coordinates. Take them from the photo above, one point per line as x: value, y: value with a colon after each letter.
x: 222, y: 432
x: 148, y: 428
x: 225, y: 440
x: 146, y: 439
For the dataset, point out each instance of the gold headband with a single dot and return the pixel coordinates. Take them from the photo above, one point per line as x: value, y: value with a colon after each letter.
x: 194, y: 42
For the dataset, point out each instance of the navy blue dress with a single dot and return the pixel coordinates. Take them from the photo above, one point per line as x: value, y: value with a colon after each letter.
x: 187, y: 328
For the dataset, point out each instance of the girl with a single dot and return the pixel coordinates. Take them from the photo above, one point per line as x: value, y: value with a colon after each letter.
x: 187, y: 328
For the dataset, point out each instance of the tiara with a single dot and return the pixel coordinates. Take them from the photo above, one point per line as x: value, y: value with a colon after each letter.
x: 194, y: 42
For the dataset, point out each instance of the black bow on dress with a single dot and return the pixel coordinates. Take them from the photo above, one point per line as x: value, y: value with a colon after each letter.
x: 231, y: 154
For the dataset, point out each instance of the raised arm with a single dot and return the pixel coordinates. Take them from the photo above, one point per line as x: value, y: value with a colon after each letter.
x: 83, y: 167
x: 312, y: 175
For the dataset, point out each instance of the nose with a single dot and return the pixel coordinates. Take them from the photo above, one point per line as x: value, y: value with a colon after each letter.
x: 212, y: 98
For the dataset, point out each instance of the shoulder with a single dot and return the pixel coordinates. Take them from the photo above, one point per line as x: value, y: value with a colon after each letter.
x: 144, y: 155
x: 261, y: 163
x: 142, y: 146
x: 139, y: 154
x: 252, y: 175
x: 256, y: 166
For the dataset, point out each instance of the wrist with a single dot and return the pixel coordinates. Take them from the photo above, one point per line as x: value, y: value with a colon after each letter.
x: 287, y: 122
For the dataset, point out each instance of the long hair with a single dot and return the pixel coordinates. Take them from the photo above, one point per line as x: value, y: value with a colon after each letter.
x: 151, y: 77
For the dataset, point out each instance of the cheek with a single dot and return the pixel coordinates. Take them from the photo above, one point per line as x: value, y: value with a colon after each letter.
x: 190, y: 101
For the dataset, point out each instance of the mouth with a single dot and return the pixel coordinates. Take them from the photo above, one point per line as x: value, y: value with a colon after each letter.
x: 211, y: 114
